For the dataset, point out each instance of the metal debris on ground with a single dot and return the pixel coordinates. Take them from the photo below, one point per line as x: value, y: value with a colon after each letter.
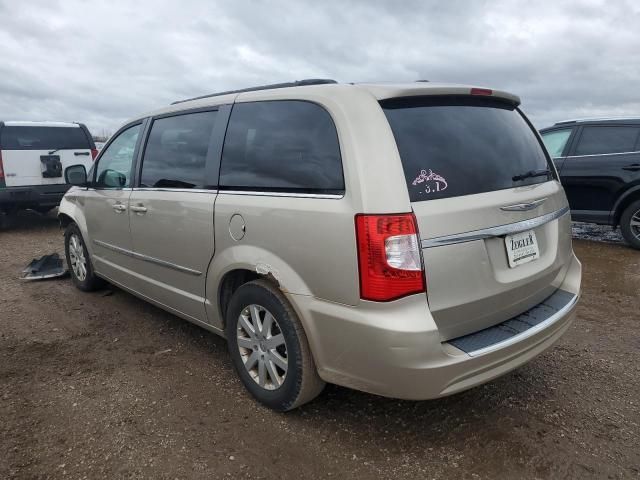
x: 47, y: 266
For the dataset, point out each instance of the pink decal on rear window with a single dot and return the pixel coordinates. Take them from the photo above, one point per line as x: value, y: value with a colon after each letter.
x: 432, y: 182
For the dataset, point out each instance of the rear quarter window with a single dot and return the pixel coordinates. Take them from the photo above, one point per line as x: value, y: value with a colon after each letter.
x: 599, y: 140
x: 287, y: 145
x: 556, y: 141
x: 455, y: 146
x: 43, y: 138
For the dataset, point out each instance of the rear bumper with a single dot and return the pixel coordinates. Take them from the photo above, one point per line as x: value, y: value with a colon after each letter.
x: 32, y: 196
x: 395, y: 349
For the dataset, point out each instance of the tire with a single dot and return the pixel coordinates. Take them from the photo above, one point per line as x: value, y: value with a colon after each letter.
x: 630, y: 224
x: 8, y: 219
x: 283, y: 343
x: 78, y: 261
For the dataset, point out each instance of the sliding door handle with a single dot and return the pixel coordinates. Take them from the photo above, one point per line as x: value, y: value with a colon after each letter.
x: 141, y: 209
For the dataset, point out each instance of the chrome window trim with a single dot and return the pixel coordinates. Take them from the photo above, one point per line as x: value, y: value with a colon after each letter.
x: 498, y: 231
x: 559, y: 315
x: 164, y: 189
x: 283, y: 194
x: 601, y: 154
x: 147, y: 258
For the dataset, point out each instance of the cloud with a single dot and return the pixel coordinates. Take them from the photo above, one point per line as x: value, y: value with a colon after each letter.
x: 101, y: 63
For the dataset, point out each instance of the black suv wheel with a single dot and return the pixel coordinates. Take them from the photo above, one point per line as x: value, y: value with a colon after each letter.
x: 630, y: 224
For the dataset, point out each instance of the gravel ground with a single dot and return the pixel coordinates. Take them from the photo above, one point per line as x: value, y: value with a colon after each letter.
x: 103, y: 385
x: 597, y: 233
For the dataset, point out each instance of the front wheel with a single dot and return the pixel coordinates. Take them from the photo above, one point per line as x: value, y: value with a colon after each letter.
x: 269, y: 348
x: 78, y: 261
x: 630, y: 224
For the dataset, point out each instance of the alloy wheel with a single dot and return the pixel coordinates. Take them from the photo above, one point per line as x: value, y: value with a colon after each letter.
x: 77, y: 258
x: 262, y: 347
x: 635, y: 224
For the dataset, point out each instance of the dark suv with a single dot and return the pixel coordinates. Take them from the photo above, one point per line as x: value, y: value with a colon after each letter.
x: 599, y: 165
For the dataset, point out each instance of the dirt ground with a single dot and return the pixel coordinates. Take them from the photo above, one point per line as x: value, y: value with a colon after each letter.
x: 103, y: 385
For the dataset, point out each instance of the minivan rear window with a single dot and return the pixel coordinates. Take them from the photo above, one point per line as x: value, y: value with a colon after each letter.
x: 454, y: 146
x: 43, y: 138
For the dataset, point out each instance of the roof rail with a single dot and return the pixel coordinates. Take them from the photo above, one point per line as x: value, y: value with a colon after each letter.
x: 297, y: 83
x: 597, y: 119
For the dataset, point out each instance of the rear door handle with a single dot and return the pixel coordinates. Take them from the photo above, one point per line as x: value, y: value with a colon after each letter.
x: 80, y: 153
x: 141, y: 209
x: 119, y: 207
x: 634, y: 167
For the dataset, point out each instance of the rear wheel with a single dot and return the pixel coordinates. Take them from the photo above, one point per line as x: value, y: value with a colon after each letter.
x: 78, y: 261
x: 630, y: 224
x: 269, y: 348
x: 8, y: 216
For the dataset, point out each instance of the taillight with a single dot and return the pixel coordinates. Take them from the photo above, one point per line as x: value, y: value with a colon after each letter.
x: 1, y: 167
x: 94, y: 153
x: 481, y: 91
x: 388, y: 256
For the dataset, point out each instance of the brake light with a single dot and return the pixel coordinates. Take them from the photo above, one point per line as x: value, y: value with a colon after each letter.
x: 94, y: 153
x: 481, y: 91
x: 1, y: 167
x: 388, y: 256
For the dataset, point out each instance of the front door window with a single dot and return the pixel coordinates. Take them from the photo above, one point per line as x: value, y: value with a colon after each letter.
x: 114, y: 166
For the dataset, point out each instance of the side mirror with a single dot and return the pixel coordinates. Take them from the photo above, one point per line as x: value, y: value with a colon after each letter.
x: 76, y: 175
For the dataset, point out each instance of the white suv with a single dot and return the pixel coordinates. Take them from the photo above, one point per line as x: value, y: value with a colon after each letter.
x: 33, y: 156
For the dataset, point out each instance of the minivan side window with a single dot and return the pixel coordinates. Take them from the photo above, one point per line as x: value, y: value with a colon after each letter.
x: 599, y: 140
x: 286, y: 146
x: 556, y: 141
x: 176, y: 151
x: 114, y: 165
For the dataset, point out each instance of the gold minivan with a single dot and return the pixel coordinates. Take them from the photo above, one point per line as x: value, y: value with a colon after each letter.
x: 408, y: 240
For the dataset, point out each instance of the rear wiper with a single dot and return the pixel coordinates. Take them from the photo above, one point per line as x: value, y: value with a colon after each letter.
x: 53, y: 151
x: 532, y: 173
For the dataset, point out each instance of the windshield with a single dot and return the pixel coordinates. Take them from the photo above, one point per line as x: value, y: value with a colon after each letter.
x: 454, y: 146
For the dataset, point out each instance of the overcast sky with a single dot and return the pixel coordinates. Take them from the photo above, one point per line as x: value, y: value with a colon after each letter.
x: 103, y: 62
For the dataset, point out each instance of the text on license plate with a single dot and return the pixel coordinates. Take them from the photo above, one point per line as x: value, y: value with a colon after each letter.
x: 522, y: 248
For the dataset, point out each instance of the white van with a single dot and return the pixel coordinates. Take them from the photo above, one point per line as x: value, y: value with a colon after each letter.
x: 408, y: 240
x: 33, y: 156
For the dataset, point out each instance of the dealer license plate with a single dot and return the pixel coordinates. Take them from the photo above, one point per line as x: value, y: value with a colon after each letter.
x: 522, y: 248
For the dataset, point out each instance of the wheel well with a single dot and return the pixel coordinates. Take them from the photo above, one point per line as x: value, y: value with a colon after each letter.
x: 229, y: 284
x: 65, y: 220
x: 623, y: 206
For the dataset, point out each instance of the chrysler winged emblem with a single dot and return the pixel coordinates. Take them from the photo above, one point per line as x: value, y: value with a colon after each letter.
x: 523, y: 207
